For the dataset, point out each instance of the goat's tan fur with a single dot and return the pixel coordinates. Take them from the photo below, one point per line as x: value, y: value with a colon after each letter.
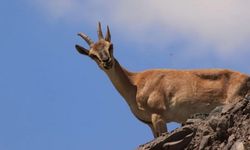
x: 159, y: 96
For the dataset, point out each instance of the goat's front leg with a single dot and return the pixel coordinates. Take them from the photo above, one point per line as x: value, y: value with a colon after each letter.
x: 158, y: 125
x: 153, y: 130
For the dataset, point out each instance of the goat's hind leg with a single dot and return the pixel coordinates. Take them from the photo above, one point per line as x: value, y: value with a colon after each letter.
x: 239, y: 89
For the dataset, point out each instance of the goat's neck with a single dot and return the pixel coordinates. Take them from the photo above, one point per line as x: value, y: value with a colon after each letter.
x: 121, y: 79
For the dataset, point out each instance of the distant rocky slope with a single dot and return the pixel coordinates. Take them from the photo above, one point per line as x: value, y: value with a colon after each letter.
x: 225, y: 128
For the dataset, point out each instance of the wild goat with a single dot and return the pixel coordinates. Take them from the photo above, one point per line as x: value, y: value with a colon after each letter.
x: 159, y: 96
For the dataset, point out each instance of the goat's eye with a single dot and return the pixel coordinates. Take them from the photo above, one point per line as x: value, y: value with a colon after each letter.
x: 93, y: 56
x: 111, y: 47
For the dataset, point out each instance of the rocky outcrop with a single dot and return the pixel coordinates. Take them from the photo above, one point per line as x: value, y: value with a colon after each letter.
x: 225, y: 128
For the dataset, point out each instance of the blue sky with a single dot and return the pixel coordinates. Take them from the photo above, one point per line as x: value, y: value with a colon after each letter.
x: 53, y: 98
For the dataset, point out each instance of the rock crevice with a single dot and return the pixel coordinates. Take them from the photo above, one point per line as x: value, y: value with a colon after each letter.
x: 226, y: 128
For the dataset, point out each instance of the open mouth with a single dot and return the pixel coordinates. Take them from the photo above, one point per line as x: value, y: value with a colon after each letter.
x: 108, y: 65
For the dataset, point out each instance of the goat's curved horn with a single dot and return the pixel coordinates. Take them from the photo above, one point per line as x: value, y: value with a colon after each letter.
x: 99, y: 31
x: 108, y: 35
x: 86, y: 38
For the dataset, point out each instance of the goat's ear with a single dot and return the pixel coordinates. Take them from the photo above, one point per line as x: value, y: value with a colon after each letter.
x: 82, y: 50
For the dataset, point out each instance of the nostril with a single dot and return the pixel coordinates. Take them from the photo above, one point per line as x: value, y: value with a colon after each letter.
x: 106, y: 60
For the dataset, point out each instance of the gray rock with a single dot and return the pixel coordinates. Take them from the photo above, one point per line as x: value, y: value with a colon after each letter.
x: 225, y: 128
